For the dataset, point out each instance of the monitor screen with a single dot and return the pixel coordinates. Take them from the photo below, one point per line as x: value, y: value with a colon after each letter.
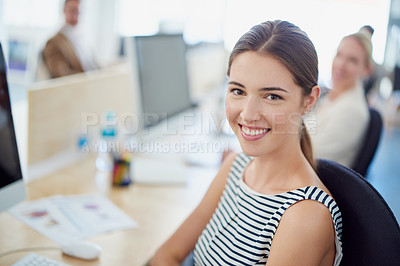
x: 12, y: 189
x: 163, y: 79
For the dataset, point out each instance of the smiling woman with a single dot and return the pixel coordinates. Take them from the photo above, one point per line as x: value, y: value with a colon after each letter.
x: 269, y: 101
x: 296, y: 63
x: 273, y: 71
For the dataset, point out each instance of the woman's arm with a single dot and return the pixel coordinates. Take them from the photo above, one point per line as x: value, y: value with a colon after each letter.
x: 183, y: 241
x: 305, y: 236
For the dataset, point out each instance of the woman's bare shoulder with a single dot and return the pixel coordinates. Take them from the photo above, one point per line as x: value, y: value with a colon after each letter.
x: 305, y: 233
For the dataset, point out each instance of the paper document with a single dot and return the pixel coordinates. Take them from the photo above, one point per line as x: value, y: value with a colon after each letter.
x: 66, y: 218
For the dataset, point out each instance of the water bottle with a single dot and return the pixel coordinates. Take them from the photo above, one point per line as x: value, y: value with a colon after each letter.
x: 108, y: 143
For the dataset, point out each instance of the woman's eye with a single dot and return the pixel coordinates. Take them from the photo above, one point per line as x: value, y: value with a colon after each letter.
x: 237, y: 91
x: 274, y: 97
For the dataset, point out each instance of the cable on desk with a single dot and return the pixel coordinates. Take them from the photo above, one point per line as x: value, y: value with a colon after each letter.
x: 27, y: 250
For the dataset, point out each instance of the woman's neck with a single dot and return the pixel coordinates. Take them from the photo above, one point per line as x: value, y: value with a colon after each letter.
x: 339, y: 90
x: 280, y: 171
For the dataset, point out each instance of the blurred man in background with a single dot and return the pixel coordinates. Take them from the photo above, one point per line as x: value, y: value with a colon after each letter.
x: 68, y: 52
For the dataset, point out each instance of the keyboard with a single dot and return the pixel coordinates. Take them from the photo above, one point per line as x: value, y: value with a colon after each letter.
x: 33, y: 259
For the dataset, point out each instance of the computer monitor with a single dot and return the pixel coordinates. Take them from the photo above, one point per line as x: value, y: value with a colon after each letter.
x: 161, y: 69
x: 12, y: 188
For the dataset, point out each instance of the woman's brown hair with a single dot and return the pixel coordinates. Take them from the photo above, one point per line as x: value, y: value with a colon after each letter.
x: 289, y: 44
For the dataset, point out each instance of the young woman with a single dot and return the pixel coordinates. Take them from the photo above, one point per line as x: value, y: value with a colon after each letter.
x: 267, y: 204
x: 342, y: 117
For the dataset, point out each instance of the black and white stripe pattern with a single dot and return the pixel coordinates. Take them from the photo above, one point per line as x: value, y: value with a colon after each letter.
x: 241, y: 229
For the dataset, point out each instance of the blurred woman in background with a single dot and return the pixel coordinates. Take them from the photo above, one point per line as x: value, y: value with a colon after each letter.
x: 339, y: 123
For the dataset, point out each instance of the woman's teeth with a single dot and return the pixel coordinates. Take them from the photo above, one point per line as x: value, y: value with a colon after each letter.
x: 250, y: 132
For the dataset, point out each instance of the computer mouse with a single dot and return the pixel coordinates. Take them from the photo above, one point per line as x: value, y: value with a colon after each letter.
x: 81, y: 249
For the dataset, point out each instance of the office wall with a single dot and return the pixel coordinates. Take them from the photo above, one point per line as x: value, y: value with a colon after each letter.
x: 62, y: 110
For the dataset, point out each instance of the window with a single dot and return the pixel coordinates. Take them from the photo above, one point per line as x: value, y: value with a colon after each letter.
x: 198, y: 20
x: 28, y: 13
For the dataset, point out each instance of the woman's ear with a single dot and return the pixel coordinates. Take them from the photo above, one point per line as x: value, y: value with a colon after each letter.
x: 311, y: 99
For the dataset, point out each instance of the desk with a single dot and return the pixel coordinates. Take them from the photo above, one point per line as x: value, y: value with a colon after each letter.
x: 159, y: 210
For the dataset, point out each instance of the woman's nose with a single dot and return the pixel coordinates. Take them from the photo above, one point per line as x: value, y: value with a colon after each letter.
x: 339, y: 63
x: 250, y: 111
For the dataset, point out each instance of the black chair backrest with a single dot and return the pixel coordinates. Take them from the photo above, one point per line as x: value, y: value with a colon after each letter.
x: 371, y: 234
x: 370, y: 143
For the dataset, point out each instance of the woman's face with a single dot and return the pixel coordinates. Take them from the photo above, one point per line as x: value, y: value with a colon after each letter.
x: 348, y: 66
x: 263, y: 104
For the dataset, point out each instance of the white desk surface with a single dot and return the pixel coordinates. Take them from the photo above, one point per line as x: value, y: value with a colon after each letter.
x: 159, y: 210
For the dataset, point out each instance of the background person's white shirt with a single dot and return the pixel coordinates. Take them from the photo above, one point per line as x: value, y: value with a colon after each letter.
x: 337, y: 128
x: 81, y: 46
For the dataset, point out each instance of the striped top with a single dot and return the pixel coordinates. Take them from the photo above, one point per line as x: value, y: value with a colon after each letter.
x: 242, y: 227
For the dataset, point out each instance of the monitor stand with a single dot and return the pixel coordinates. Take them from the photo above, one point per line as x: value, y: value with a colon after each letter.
x: 12, y: 194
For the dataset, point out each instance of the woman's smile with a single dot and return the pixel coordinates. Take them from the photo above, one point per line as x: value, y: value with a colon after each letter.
x: 263, y: 103
x: 253, y: 133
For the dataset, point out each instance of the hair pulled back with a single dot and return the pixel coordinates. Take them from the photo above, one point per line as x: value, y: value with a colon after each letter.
x: 292, y: 47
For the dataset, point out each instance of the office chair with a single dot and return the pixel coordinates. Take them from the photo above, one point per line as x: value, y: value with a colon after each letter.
x: 42, y: 72
x: 371, y: 234
x: 370, y: 143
